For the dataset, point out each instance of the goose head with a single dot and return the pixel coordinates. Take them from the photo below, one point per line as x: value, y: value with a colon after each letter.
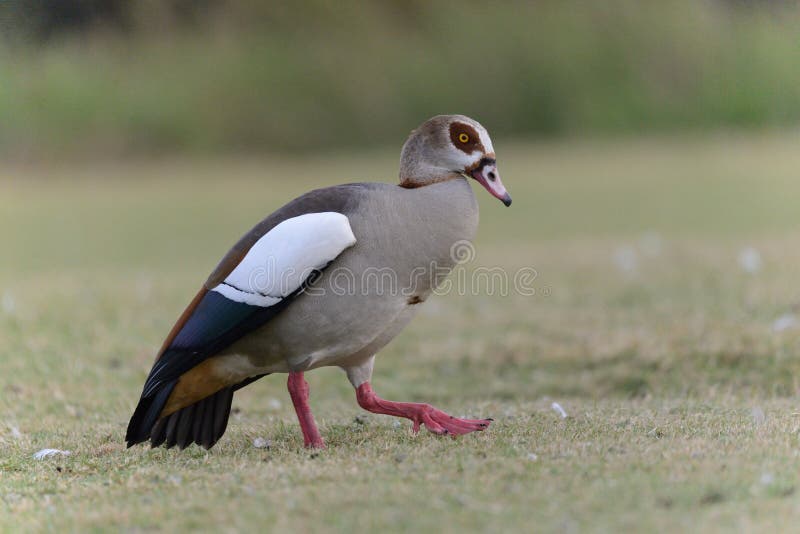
x: 450, y: 146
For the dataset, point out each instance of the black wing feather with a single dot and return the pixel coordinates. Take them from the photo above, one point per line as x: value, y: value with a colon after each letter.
x: 203, y: 422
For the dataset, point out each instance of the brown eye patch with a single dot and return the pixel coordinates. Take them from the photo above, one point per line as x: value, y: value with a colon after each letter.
x: 465, y: 138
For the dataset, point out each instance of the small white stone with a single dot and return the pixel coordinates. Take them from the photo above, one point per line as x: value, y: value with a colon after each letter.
x: 261, y: 443
x: 758, y: 415
x: 15, y: 433
x: 46, y: 453
x: 532, y: 456
x: 8, y: 303
x: 787, y: 321
x: 274, y: 404
x: 626, y: 259
x: 750, y: 260
x: 559, y: 410
x: 767, y: 479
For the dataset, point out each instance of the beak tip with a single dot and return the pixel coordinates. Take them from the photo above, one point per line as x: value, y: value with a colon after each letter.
x: 506, y: 200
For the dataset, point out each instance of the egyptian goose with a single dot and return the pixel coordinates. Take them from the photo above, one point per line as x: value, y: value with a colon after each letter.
x: 297, y: 292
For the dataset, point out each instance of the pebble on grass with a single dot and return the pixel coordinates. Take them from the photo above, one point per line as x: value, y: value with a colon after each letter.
x: 8, y: 303
x: 559, y: 410
x: 750, y: 260
x: 758, y: 415
x: 787, y: 321
x: 47, y: 453
x: 262, y: 443
x: 626, y: 259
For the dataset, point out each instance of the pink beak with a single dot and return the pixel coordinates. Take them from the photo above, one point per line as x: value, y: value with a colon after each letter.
x: 486, y: 174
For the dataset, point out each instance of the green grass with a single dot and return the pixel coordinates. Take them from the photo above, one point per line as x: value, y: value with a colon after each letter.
x: 679, y: 392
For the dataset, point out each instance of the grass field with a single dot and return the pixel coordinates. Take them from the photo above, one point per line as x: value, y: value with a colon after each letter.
x: 664, y: 352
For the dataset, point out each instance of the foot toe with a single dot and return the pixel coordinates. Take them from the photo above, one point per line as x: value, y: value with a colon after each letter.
x: 433, y: 425
x: 458, y: 426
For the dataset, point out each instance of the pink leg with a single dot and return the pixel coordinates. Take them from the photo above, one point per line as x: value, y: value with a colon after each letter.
x: 434, y: 420
x: 298, y: 389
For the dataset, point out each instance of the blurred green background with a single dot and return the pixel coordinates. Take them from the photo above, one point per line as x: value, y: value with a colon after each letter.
x: 90, y: 77
x: 652, y: 152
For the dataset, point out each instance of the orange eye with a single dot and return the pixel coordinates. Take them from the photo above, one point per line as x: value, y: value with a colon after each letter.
x: 464, y: 138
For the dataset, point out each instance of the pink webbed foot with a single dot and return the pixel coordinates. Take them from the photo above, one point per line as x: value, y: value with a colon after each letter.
x: 440, y: 422
x: 434, y: 420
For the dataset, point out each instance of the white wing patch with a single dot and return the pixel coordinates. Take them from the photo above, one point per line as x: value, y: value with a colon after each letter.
x: 278, y: 263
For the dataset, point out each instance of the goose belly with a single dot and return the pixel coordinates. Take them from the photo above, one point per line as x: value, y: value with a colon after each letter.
x: 320, y: 330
